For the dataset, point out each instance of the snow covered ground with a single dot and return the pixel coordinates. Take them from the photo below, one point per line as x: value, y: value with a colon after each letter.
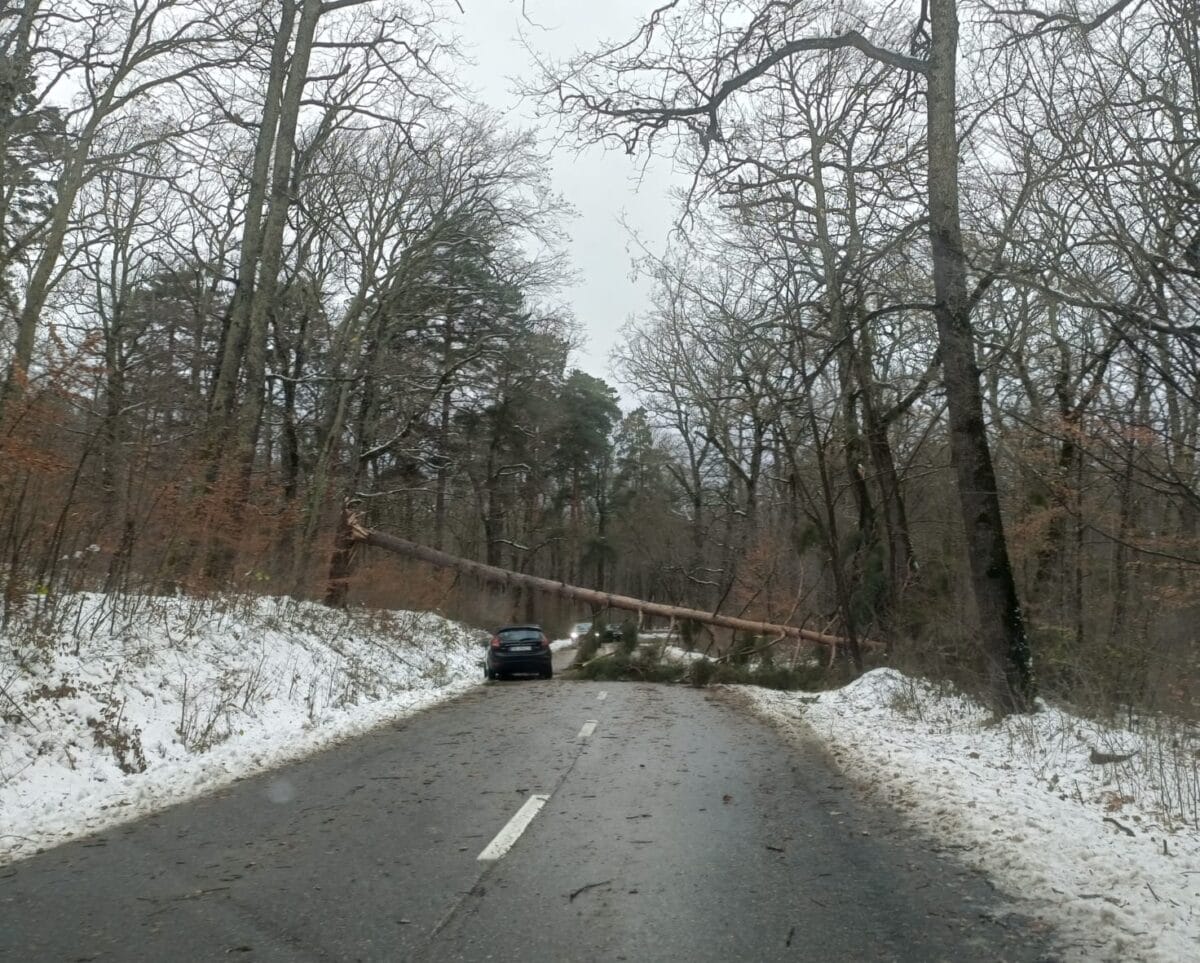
x: 673, y: 653
x: 117, y: 711
x: 1107, y: 851
x: 127, y: 705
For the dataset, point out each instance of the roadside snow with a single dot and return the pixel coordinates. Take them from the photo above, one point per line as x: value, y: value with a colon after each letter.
x: 133, y: 704
x: 674, y: 653
x: 117, y: 713
x: 559, y: 644
x: 1023, y: 801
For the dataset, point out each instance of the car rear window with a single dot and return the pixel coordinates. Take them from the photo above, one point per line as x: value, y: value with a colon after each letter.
x: 520, y: 635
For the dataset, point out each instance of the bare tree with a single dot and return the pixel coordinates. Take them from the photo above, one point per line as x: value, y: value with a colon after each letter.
x: 122, y: 57
x: 686, y: 67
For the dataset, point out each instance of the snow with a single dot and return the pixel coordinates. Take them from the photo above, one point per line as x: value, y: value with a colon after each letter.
x: 130, y: 704
x: 674, y: 653
x: 1022, y: 800
x: 119, y: 706
x: 559, y: 644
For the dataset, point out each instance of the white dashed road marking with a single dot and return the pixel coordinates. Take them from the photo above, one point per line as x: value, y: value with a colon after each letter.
x: 588, y: 728
x: 512, y: 830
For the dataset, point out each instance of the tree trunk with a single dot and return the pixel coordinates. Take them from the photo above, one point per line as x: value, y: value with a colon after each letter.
x: 265, y: 291
x: 601, y: 600
x: 341, y: 563
x: 233, y: 342
x: 1002, y: 625
x: 243, y: 347
x: 901, y: 560
x: 833, y: 544
x: 443, y: 470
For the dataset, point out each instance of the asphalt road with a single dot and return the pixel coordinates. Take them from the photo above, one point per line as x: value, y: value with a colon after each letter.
x: 680, y: 828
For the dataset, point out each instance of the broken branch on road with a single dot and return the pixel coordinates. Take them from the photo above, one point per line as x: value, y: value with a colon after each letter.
x: 584, y: 889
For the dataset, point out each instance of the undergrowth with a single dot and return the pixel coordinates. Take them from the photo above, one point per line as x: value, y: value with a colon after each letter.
x: 646, y: 666
x: 621, y: 666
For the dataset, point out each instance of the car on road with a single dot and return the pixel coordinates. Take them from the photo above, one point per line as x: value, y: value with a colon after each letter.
x: 579, y: 630
x: 518, y: 648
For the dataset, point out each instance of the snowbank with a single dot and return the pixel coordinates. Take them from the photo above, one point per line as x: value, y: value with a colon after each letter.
x: 673, y: 653
x: 132, y: 704
x: 1044, y: 804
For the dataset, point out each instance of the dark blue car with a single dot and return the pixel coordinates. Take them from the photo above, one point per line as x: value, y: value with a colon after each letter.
x: 518, y: 648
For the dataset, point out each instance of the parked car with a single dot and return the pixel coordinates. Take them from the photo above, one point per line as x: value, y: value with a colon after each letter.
x: 518, y: 648
x: 579, y: 630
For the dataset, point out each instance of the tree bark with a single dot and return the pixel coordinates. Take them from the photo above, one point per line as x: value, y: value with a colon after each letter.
x: 233, y: 343
x: 901, y: 560
x: 279, y: 201
x: 1001, y: 622
x: 489, y: 573
x: 341, y: 563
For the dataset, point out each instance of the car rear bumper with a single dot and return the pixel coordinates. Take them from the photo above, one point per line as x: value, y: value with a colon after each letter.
x: 520, y: 661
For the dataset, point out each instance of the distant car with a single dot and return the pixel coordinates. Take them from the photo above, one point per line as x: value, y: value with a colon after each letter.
x: 579, y: 630
x: 613, y: 632
x: 518, y: 648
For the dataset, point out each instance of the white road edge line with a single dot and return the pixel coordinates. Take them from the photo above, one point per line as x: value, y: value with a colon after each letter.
x: 588, y: 728
x: 602, y: 696
x: 512, y: 830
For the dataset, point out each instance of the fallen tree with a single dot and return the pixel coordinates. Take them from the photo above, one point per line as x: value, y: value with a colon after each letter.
x: 352, y: 533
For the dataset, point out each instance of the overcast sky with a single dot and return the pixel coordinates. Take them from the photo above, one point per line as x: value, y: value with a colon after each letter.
x: 603, y: 186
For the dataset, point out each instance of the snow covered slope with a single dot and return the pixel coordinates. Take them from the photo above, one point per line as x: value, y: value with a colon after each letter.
x: 126, y: 705
x: 1087, y: 823
x: 115, y: 712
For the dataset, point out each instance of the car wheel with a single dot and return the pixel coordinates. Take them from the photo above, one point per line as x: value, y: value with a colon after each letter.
x: 547, y: 673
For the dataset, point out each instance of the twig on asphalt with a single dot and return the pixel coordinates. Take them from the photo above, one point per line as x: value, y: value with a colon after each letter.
x: 583, y: 889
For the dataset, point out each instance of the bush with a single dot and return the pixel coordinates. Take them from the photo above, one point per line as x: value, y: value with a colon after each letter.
x: 629, y: 637
x: 604, y: 669
x: 621, y: 667
x: 744, y: 643
x: 588, y: 646
x: 701, y: 672
x: 645, y: 666
x: 807, y: 676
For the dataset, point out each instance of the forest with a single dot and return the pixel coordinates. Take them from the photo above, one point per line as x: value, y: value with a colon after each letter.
x: 921, y: 363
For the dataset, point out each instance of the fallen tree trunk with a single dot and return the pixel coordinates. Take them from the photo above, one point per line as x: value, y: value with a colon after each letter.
x: 503, y: 576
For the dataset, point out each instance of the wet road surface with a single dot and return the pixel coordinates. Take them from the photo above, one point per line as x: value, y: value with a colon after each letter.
x: 678, y: 827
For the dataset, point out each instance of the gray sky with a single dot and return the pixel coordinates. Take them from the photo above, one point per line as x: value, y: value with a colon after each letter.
x: 602, y: 185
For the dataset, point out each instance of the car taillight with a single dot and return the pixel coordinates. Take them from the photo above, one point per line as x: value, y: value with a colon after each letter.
x: 495, y: 641
x: 545, y: 641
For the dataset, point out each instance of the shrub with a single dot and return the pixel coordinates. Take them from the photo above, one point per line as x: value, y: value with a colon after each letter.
x: 588, y: 646
x: 621, y: 667
x: 803, y: 676
x: 629, y: 637
x: 744, y: 643
x: 111, y: 732
x: 807, y: 676
x: 646, y: 666
x: 701, y: 672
